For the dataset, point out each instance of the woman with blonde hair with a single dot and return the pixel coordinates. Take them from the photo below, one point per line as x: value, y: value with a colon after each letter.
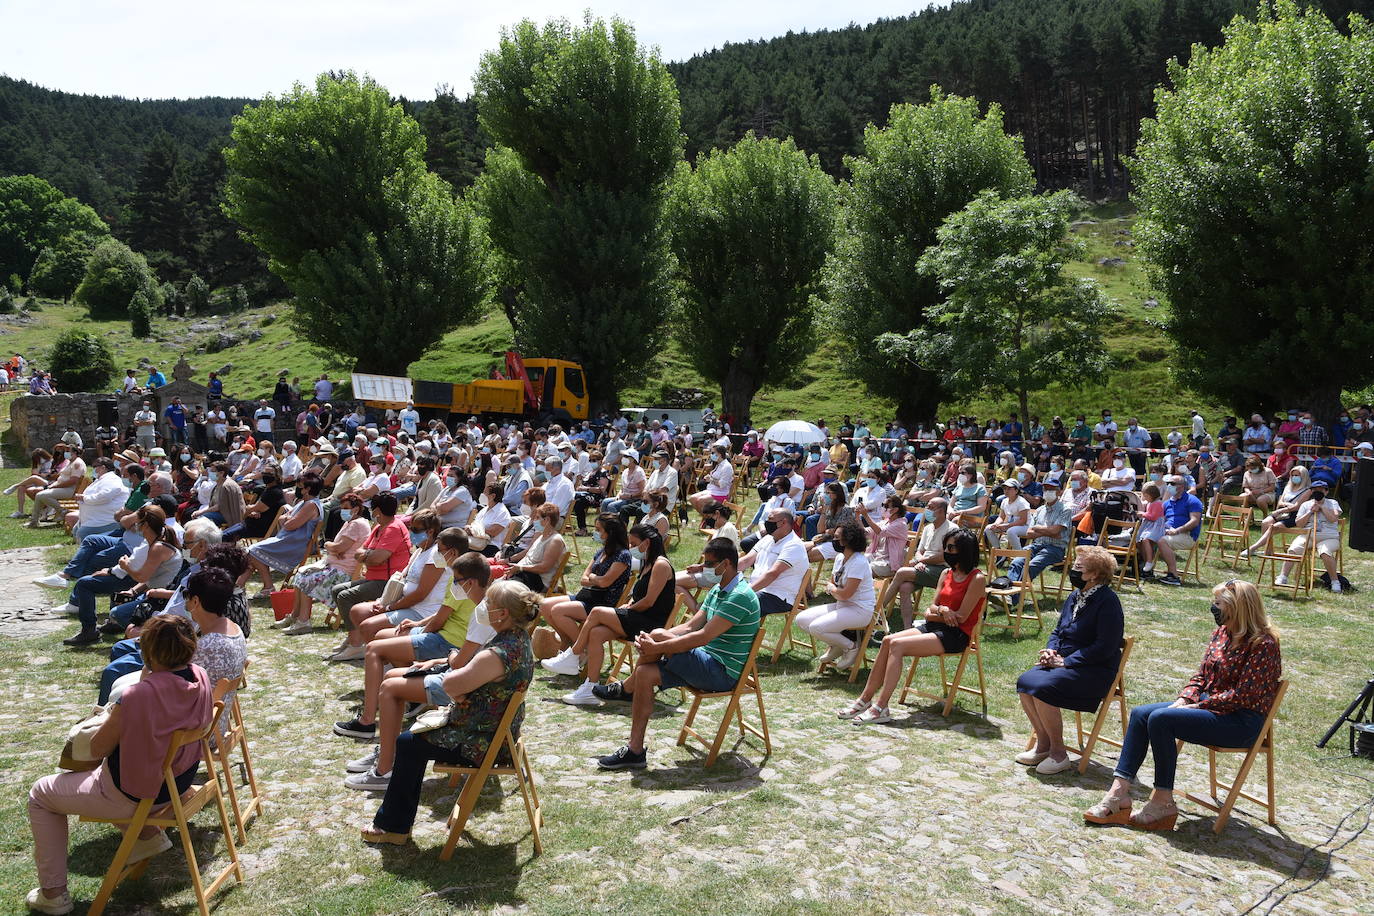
x: 478, y: 693
x: 1223, y: 705
x: 1076, y: 668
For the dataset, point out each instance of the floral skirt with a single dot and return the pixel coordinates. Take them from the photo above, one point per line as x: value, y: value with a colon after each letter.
x: 317, y: 579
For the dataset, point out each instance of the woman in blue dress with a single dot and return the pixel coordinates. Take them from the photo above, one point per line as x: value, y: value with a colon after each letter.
x: 1075, y: 670
x: 285, y: 551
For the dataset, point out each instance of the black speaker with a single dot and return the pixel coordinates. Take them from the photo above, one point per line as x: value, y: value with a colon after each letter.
x: 107, y: 413
x: 1362, y: 507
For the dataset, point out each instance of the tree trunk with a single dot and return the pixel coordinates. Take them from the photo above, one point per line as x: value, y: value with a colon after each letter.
x: 509, y: 297
x: 737, y: 392
x: 1024, y: 398
x: 920, y: 402
x: 1324, y: 402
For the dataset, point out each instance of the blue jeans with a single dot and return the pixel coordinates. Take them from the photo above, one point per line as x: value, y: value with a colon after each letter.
x: 402, y: 798
x: 98, y: 551
x: 1157, y: 726
x: 88, y: 588
x: 403, y: 493
x: 214, y: 517
x: 614, y: 506
x: 81, y: 532
x: 1041, y: 559
x: 125, y: 656
x: 811, y: 523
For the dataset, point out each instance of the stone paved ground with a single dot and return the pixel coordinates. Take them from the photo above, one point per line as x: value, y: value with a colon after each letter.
x: 927, y: 815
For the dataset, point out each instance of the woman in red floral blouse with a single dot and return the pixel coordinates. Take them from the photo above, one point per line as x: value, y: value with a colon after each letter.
x: 1223, y: 705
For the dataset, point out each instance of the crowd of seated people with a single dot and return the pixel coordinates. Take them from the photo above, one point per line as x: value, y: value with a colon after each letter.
x: 438, y: 548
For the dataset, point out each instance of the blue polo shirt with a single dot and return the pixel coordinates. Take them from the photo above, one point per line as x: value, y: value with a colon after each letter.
x: 1178, y: 510
x: 176, y: 415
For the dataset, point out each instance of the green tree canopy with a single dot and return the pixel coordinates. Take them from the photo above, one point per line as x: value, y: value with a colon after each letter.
x: 594, y: 119
x: 1011, y: 321
x: 34, y: 215
x: 751, y: 228
x: 81, y: 362
x: 58, y: 269
x: 1256, y: 194
x: 331, y: 185
x: 114, y: 272
x: 929, y: 161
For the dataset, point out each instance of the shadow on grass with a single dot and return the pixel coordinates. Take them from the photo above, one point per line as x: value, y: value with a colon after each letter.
x: 732, y: 771
x: 480, y: 875
x: 167, y: 874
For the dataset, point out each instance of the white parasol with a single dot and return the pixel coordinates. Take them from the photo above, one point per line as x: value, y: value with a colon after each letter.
x: 795, y: 432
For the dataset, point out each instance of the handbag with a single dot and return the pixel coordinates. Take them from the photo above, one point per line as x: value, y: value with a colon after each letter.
x: 393, y: 590
x: 76, y: 753
x: 881, y: 569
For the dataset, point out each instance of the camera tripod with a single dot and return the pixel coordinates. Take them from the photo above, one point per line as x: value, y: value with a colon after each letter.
x: 1361, y: 714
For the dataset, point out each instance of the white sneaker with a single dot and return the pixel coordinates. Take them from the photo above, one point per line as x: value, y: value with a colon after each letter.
x: 41, y: 903
x: 1049, y: 766
x: 365, y: 762
x: 56, y: 580
x: 849, y: 658
x: 18, y: 514
x: 349, y: 653
x: 63, y: 609
x: 831, y: 653
x: 298, y: 627
x: 153, y: 845
x: 565, y: 662
x: 1280, y: 579
x: 1336, y: 586
x: 1032, y: 757
x: 329, y: 656
x: 9, y: 491
x: 282, y: 624
x: 582, y: 696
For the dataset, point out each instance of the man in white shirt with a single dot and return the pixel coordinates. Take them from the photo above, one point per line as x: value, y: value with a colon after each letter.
x: 263, y: 418
x: 145, y: 427
x: 1199, y: 428
x: 410, y: 419
x: 290, y: 463
x: 779, y: 562
x: 324, y: 389
x: 664, y: 478
x: 1104, y: 433
x: 219, y: 424
x: 559, y: 490
x: 98, y: 503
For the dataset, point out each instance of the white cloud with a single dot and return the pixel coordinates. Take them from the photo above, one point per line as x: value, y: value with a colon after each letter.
x: 161, y: 49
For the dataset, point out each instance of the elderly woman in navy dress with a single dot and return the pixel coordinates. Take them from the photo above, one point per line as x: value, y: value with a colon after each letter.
x: 1075, y: 670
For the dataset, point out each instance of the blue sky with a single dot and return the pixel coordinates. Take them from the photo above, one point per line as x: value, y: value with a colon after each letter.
x: 161, y: 49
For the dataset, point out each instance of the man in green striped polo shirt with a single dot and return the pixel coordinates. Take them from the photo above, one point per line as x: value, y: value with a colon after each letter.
x: 707, y: 652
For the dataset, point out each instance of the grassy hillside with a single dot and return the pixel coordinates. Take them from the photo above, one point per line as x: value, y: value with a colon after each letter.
x: 1141, y: 384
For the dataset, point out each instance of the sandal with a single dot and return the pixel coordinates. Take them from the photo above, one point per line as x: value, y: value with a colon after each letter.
x: 853, y: 709
x: 1111, y: 810
x: 373, y: 835
x: 873, y: 715
x: 1155, y: 817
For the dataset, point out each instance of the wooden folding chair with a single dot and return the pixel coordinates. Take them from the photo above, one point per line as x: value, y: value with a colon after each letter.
x: 952, y: 687
x: 1229, y: 525
x: 875, y: 622
x: 183, y: 808
x: 748, y: 683
x: 1060, y: 588
x: 626, y: 651
x: 786, y: 637
x: 1280, y: 551
x: 1263, y: 744
x: 1116, y: 693
x: 1014, y: 599
x: 236, y: 735
x: 1122, y: 541
x: 246, y: 542
x: 476, y: 777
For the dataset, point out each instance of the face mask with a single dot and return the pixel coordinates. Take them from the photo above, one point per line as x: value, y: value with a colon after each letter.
x: 1107, y: 418
x: 596, y: 536
x: 417, y: 538
x: 1023, y: 477
x: 1076, y: 578
x: 1056, y: 466
x: 1292, y: 416
x: 186, y: 553
x: 928, y: 515
x: 1295, y: 478
x: 770, y: 526
x: 1118, y: 464
x: 638, y: 554
x: 951, y: 557
x: 482, y: 616
x: 484, y: 501
x: 624, y: 462
x: 1216, y: 613
x: 709, y: 577
x: 1051, y: 497
x: 214, y: 477
x: 870, y: 482
x: 346, y: 515
x: 1306, y: 421
x: 965, y: 479
x: 1078, y: 484
x: 1168, y: 490
x: 909, y: 463
x: 645, y: 508
x: 185, y: 456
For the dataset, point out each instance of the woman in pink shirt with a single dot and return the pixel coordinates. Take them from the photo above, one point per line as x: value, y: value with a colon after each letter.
x: 172, y: 695
x: 887, y: 550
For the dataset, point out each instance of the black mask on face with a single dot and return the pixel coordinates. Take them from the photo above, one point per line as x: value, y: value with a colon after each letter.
x: 1216, y: 613
x: 1076, y: 578
x: 770, y: 526
x: 951, y: 557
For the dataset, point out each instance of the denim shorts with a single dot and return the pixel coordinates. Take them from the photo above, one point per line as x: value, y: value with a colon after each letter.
x: 396, y: 618
x: 434, y: 690
x: 428, y: 645
x: 695, y: 668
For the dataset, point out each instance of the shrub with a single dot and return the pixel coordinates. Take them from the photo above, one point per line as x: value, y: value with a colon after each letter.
x: 6, y: 301
x: 196, y: 298
x: 59, y: 268
x: 171, y: 298
x: 113, y: 274
x: 81, y: 362
x: 240, y: 298
x: 141, y: 310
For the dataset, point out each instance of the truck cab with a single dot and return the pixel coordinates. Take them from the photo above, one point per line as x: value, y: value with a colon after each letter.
x: 560, y: 386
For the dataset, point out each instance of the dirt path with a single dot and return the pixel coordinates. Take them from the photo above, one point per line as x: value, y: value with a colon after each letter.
x: 22, y: 604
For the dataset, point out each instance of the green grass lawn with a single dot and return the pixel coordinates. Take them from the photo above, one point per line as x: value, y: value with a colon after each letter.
x: 925, y: 815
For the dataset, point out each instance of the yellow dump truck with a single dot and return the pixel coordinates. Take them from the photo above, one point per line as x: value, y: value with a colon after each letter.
x: 551, y: 389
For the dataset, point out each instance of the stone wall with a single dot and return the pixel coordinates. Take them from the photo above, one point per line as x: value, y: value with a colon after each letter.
x: 38, y: 421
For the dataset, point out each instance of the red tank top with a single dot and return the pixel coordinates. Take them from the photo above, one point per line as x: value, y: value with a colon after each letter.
x: 951, y: 595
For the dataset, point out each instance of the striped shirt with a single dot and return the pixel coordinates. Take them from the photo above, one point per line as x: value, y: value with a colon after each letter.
x: 740, y: 606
